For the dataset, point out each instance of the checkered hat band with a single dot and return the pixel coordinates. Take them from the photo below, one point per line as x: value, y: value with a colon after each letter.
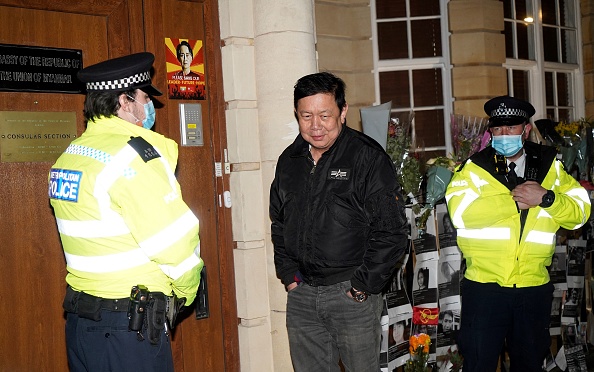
x: 504, y: 111
x: 120, y: 83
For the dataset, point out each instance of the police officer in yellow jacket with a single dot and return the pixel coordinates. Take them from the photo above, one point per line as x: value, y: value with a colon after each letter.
x: 507, y: 203
x: 130, y: 241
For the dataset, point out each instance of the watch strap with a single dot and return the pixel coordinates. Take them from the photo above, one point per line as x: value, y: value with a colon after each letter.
x: 547, y: 199
x: 359, y: 296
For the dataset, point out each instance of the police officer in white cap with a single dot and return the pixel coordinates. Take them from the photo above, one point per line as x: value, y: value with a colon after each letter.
x: 130, y: 241
x: 507, y: 203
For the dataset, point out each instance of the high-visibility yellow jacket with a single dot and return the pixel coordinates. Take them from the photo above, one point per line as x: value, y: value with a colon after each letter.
x: 488, y: 224
x: 120, y: 213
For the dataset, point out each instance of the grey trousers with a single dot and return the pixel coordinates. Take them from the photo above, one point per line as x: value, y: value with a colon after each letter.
x: 325, y: 325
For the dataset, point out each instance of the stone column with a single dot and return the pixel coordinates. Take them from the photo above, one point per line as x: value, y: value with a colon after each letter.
x: 285, y: 51
x: 266, y: 46
x: 477, y: 53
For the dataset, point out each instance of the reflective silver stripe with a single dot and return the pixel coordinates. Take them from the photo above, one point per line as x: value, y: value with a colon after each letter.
x: 488, y: 233
x: 169, y: 235
x: 540, y: 237
x: 107, y: 263
x: 172, y: 181
x: 478, y: 182
x: 581, y: 197
x: 174, y: 272
x: 579, y: 193
x: 107, y: 177
x: 558, y: 170
x: 92, y: 229
x: 98, y: 155
x: 111, y: 223
x: 469, y: 196
x: 543, y: 214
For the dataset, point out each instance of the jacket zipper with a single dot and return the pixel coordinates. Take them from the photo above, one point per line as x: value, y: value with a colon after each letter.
x: 307, y: 218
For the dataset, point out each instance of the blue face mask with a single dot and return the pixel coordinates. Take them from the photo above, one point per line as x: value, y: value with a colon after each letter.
x: 507, y: 145
x: 149, y: 114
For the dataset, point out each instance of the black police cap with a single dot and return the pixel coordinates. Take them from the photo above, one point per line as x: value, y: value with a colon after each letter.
x: 121, y: 74
x: 506, y: 110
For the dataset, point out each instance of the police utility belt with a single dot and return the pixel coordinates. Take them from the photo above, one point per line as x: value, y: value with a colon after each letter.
x: 149, y: 313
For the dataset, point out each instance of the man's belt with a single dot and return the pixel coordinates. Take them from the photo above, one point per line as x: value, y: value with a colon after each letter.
x: 119, y: 304
x: 89, y: 306
x: 159, y: 310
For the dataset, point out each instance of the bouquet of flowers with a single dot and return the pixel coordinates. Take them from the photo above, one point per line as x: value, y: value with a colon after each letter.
x: 439, y: 174
x: 419, y: 353
x: 467, y: 132
x: 576, y: 134
x: 398, y: 146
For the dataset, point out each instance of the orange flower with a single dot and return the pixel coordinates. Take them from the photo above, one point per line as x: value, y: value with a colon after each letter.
x: 419, y: 353
x: 421, y: 340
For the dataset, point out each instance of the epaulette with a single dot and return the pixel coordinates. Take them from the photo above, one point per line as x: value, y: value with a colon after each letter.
x: 143, y: 148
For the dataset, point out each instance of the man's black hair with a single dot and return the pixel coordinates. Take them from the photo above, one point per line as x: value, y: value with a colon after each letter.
x: 321, y: 82
x: 447, y: 312
x: 98, y: 103
x: 178, y: 48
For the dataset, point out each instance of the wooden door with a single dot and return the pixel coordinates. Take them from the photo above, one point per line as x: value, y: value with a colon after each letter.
x: 32, y: 265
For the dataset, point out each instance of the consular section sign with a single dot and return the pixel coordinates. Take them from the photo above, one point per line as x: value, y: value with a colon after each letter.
x: 35, y: 136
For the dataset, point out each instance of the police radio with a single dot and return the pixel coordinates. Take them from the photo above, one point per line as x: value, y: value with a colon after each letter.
x: 137, y: 307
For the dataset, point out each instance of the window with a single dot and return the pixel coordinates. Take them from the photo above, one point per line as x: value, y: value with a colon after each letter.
x: 519, y: 29
x: 410, y: 50
x: 542, y: 50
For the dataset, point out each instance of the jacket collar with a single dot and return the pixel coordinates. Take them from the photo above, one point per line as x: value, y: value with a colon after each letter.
x: 538, y: 161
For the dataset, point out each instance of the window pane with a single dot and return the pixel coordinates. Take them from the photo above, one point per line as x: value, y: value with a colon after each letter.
x: 565, y: 115
x: 567, y: 13
x: 523, y: 42
x: 549, y: 12
x: 509, y: 40
x: 427, y: 87
x: 419, y: 8
x: 434, y: 154
x: 549, y: 36
x: 564, y: 90
x: 507, y: 11
x: 392, y: 40
x: 394, y: 87
x: 549, y: 89
x: 551, y: 114
x: 426, y: 38
x: 521, y: 10
x: 521, y: 84
x: 568, y: 46
x: 429, y: 128
x: 390, y: 8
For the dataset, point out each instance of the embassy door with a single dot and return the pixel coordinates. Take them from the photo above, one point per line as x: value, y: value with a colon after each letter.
x: 32, y: 264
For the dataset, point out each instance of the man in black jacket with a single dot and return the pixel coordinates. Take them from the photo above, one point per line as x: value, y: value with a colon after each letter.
x: 338, y: 229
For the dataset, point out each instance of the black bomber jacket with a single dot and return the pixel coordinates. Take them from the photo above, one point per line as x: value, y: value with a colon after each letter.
x: 341, y: 219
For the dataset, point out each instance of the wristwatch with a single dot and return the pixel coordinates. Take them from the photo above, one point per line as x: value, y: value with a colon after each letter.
x: 358, y: 296
x: 547, y: 199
